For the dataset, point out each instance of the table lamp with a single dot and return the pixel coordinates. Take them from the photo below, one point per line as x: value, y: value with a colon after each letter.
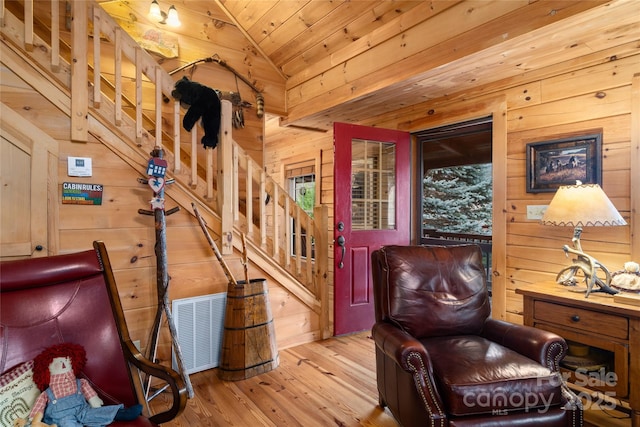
x: 582, y: 205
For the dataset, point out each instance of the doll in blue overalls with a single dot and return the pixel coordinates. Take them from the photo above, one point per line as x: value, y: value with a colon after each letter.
x: 68, y: 401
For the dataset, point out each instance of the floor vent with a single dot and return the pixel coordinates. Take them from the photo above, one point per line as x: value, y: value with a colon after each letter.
x: 200, y: 324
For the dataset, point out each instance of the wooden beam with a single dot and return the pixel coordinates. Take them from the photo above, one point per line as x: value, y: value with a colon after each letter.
x: 249, y: 38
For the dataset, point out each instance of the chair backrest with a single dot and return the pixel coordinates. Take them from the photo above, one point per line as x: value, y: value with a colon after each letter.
x: 431, y: 290
x: 64, y: 298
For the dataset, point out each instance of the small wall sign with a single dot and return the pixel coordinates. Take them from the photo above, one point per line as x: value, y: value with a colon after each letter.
x: 74, y: 193
x: 79, y: 166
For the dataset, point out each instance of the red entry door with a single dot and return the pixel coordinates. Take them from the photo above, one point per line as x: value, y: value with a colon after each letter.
x: 371, y: 202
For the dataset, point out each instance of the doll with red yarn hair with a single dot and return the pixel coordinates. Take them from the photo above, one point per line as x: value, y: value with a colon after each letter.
x: 67, y: 400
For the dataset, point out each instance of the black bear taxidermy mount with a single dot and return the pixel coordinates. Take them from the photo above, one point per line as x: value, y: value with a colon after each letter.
x: 201, y: 101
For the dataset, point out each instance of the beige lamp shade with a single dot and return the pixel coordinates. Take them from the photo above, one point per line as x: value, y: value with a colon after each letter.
x: 581, y: 205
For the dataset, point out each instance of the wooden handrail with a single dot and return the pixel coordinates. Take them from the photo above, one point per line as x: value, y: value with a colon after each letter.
x: 246, y: 199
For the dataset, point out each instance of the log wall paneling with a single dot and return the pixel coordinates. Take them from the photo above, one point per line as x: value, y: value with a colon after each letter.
x: 595, y: 92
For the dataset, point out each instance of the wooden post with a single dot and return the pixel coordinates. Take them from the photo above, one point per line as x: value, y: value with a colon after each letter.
x: 225, y: 179
x: 79, y: 73
x: 321, y: 221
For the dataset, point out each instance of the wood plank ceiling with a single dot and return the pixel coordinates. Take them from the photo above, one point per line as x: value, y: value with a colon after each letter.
x: 350, y: 61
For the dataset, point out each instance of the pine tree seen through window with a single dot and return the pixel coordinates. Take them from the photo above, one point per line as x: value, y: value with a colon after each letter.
x: 457, y: 199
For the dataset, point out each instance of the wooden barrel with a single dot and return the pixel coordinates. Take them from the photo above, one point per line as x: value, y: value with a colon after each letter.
x: 249, y: 342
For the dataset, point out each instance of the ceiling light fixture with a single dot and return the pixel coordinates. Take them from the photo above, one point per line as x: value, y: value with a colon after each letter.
x: 170, y: 18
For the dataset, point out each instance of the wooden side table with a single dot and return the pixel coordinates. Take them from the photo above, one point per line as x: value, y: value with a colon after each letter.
x: 607, y: 330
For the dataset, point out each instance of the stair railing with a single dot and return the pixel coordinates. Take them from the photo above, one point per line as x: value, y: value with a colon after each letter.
x: 97, y: 61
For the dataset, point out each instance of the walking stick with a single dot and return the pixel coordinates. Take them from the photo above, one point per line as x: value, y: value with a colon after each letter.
x: 245, y: 263
x: 213, y: 245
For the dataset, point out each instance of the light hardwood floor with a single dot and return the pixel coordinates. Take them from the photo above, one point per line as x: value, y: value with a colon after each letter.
x: 324, y: 383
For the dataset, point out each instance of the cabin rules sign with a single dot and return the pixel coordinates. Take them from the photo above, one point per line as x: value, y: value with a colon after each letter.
x: 74, y: 193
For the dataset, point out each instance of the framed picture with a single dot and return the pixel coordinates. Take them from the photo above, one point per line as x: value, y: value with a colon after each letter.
x: 551, y: 164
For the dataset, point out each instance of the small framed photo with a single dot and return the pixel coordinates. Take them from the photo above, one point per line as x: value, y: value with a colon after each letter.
x: 551, y: 164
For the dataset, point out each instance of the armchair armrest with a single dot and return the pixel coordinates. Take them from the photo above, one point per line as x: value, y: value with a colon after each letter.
x: 174, y: 381
x: 411, y: 356
x: 542, y: 346
x: 399, y: 345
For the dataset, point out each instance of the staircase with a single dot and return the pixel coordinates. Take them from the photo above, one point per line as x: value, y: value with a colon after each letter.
x: 233, y: 194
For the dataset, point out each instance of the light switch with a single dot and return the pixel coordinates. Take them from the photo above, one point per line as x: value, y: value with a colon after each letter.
x: 536, y: 211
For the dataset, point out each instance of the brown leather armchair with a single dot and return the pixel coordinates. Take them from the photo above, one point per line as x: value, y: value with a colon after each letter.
x: 74, y: 298
x: 442, y: 361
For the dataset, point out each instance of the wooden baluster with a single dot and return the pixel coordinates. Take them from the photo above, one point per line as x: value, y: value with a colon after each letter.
x: 97, y: 25
x: 158, y: 105
x: 286, y: 217
x: 138, y: 123
x: 177, y: 167
x: 298, y: 237
x: 236, y: 183
x: 276, y: 221
x: 118, y: 78
x: 249, y: 197
x: 209, y: 153
x: 194, y: 154
x: 28, y: 25
x: 55, y: 36
x: 309, y: 261
x: 261, y: 208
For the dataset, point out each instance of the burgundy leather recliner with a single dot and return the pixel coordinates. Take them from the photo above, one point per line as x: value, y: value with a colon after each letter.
x: 74, y: 298
x: 442, y: 361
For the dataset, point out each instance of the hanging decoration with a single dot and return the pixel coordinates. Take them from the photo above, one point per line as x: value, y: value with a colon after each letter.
x: 236, y: 99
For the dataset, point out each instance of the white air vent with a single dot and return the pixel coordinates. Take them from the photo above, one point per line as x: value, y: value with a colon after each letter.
x: 200, y: 324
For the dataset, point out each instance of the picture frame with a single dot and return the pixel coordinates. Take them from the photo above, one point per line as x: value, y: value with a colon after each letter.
x: 551, y: 164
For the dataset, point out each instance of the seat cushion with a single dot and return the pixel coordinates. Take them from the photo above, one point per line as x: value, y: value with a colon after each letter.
x: 477, y: 376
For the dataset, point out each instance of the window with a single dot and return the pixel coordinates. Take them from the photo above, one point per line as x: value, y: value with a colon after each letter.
x: 302, y: 189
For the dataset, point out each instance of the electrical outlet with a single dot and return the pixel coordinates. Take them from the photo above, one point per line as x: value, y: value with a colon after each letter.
x: 536, y: 211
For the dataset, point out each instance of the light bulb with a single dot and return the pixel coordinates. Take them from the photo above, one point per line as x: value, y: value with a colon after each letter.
x: 154, y: 11
x: 172, y: 17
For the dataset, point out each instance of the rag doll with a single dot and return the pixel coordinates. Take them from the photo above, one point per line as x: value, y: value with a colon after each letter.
x: 66, y: 400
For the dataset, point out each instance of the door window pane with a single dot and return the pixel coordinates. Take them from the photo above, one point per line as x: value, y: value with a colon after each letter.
x: 373, y: 183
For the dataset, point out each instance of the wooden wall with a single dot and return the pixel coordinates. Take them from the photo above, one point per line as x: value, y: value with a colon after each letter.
x: 593, y: 93
x: 130, y: 237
